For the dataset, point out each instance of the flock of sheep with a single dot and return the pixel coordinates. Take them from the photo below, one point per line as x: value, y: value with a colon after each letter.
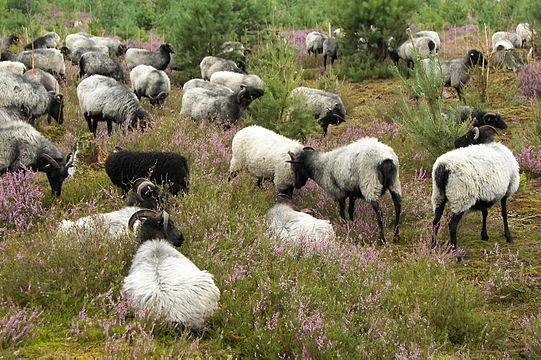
x: 477, y: 174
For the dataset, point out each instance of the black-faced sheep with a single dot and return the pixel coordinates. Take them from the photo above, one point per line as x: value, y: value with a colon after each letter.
x: 22, y: 145
x: 473, y: 177
x: 477, y: 135
x: 162, y: 168
x: 50, y: 60
x: 314, y: 42
x: 80, y: 51
x: 49, y: 40
x: 234, y: 80
x: 6, y: 42
x: 478, y: 117
x: 92, y: 63
x: 102, y: 98
x: 149, y: 82
x: 423, y: 45
x: 158, y: 59
x: 165, y: 281
x: 364, y: 169
x: 211, y: 64
x: 430, y: 34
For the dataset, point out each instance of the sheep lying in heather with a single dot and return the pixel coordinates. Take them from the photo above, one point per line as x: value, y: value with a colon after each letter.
x: 234, y: 80
x: 478, y: 117
x: 149, y: 82
x: 211, y: 64
x: 264, y: 154
x: 314, y: 42
x: 14, y: 67
x: 364, y: 169
x: 50, y: 60
x: 92, y: 63
x: 157, y: 59
x: 165, y: 281
x: 473, y: 177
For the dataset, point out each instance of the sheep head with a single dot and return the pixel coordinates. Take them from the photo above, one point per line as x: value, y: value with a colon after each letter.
x: 147, y: 195
x: 56, y: 106
x: 155, y: 225
x: 477, y: 135
x: 491, y: 119
x: 298, y: 165
x: 56, y: 172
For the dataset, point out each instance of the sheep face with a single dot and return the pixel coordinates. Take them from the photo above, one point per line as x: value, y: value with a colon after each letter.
x: 477, y: 135
x: 121, y: 50
x: 491, y: 119
x: 147, y: 195
x: 158, y: 100
x: 140, y: 117
x: 334, y: 116
x: 247, y: 94
x: 56, y: 107
x: 476, y: 58
x: 297, y: 165
x: 56, y: 172
x: 166, y: 48
x: 156, y: 225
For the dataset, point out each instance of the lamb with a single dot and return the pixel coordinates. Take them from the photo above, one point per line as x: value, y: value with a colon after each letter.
x: 234, y: 80
x: 31, y: 97
x: 478, y: 117
x: 430, y: 34
x: 314, y: 42
x: 78, y: 52
x: 264, y: 154
x: 526, y: 34
x: 327, y: 108
x: 162, y: 168
x: 21, y: 145
x: 44, y: 78
x: 49, y: 40
x: 211, y: 64
x: 200, y: 83
x: 330, y: 49
x: 149, y: 82
x: 92, y: 63
x: 293, y: 225
x: 103, y: 98
x: 455, y: 72
x: 473, y: 177
x: 363, y: 169
x: 515, y: 39
x: 50, y: 60
x: 165, y: 281
x: 6, y: 42
x: 199, y: 103
x: 14, y: 67
x: 158, y: 59
x: 424, y: 46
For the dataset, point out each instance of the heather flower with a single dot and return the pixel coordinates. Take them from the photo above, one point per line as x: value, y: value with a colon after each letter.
x: 17, y: 325
x: 529, y: 159
x: 529, y: 79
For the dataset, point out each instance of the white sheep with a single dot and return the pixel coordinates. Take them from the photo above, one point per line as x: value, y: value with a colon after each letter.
x: 234, y: 80
x: 211, y: 64
x: 14, y: 67
x: 363, y: 169
x: 200, y: 83
x: 526, y: 33
x: 264, y: 154
x: 430, y: 34
x: 50, y: 60
x: 149, y: 82
x: 314, y: 42
x: 515, y: 39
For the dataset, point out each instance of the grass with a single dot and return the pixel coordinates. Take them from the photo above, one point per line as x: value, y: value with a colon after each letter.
x: 346, y: 298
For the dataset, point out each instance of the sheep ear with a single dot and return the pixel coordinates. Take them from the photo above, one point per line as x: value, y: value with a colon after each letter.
x: 69, y: 160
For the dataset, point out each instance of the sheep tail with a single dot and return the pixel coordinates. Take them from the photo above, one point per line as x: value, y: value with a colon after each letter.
x: 386, y: 174
x: 441, y: 177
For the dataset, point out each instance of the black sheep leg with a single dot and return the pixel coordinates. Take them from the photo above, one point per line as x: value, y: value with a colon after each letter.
x: 504, y: 216
x: 397, y: 201
x: 436, y: 222
x: 351, y: 208
x: 89, y: 122
x: 109, y: 127
x: 377, y: 209
x: 341, y: 207
x: 452, y: 228
x: 484, y: 234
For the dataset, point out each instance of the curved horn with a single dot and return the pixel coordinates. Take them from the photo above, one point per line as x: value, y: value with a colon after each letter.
x: 141, y: 214
x: 485, y: 127
x: 487, y: 115
x: 139, y: 185
x: 69, y: 160
x: 476, y: 133
x: 241, y: 93
x: 50, y: 160
x: 165, y: 217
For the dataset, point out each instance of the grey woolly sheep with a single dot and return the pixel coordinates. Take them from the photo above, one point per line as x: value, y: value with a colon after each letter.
x: 473, y: 177
x: 430, y: 34
x: 158, y: 59
x: 22, y: 145
x: 200, y: 83
x: 44, y: 78
x: 165, y: 281
x: 102, y: 98
x: 515, y: 39
x: 30, y: 96
x: 327, y: 108
x: 478, y: 117
x: 364, y: 169
x: 330, y: 49
x: 92, y: 63
x: 149, y: 82
x: 50, y: 60
x: 14, y: 67
x: 455, y: 72
x: 264, y: 154
x: 234, y: 80
x: 424, y: 46
x: 314, y: 42
x: 74, y: 41
x: 49, y: 40
x: 114, y: 45
x: 11, y: 113
x: 526, y: 34
x: 6, y: 42
x: 79, y: 51
x: 199, y: 103
x: 211, y: 64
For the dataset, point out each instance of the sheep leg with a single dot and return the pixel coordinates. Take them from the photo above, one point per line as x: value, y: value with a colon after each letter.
x: 504, y: 216
x: 397, y: 201
x: 325, y: 127
x: 351, y: 208
x: 341, y: 207
x: 88, y: 121
x: 109, y: 127
x: 325, y: 61
x: 436, y: 222
x: 259, y: 180
x: 452, y: 228
x: 95, y: 126
x: 459, y: 92
x: 48, y: 118
x: 377, y: 209
x: 484, y: 234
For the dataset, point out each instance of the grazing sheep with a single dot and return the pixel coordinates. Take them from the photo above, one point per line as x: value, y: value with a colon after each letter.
x: 430, y: 34
x: 423, y: 45
x: 234, y: 80
x: 477, y: 135
x: 327, y: 108
x: 158, y: 59
x: 49, y: 40
x: 165, y: 281
x: 473, y: 177
x: 455, y: 72
x: 92, y: 63
x: 364, y: 169
x: 115, y: 46
x: 330, y: 49
x: 235, y: 51
x: 6, y: 42
x: 44, y: 78
x: 515, y: 39
x: 14, y: 67
x: 31, y: 97
x: 200, y: 83
x: 23, y: 146
x: 50, y: 60
x: 199, y: 103
x: 264, y: 154
x: 162, y: 168
x: 102, y: 98
x: 11, y: 113
x: 314, y: 42
x: 478, y: 117
x: 149, y: 82
x: 502, y: 45
x: 79, y: 40
x: 526, y: 34
x: 211, y: 64
x: 80, y: 51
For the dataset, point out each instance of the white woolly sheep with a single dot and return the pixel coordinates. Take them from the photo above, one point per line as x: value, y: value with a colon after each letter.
x: 526, y: 34
x: 327, y: 108
x: 430, y: 34
x: 314, y: 42
x: 364, y: 169
x: 211, y: 64
x: 114, y: 45
x: 264, y: 154
x: 92, y: 63
x: 473, y: 177
x: 166, y: 282
x: 424, y: 46
x: 200, y: 83
x: 158, y: 59
x: 50, y: 60
x: 514, y: 38
x: 502, y: 45
x: 14, y: 67
x: 455, y: 72
x: 234, y: 80
x: 149, y: 82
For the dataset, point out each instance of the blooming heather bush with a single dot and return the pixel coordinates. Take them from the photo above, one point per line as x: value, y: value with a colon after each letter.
x: 530, y: 80
x: 529, y: 159
x: 17, y: 325
x: 531, y: 327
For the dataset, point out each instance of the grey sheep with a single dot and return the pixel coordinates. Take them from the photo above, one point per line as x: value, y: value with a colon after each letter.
x: 234, y: 80
x: 314, y: 42
x: 114, y: 45
x: 11, y: 113
x: 327, y: 108
x: 50, y: 60
x: 235, y: 51
x: 200, y: 83
x: 455, y: 72
x: 199, y: 103
x: 79, y: 51
x: 515, y: 39
x: 22, y: 145
x: 331, y: 50
x: 92, y: 63
x: 49, y: 40
x: 430, y: 34
x: 30, y: 96
x: 44, y: 78
x: 14, y: 67
x: 211, y: 64
x: 364, y: 169
x: 6, y: 42
x: 158, y: 59
x: 423, y: 45
x: 149, y: 82
x: 102, y: 98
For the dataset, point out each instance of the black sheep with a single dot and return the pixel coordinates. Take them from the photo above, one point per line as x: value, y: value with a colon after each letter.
x: 478, y: 117
x: 124, y: 167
